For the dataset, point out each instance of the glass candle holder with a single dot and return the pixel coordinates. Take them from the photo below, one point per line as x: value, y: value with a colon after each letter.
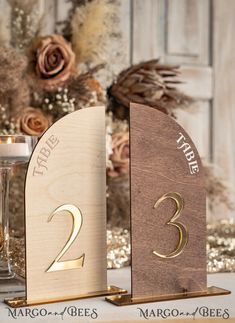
x: 14, y: 150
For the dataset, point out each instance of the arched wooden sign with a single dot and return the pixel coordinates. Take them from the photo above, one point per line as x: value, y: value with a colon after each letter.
x: 168, y: 211
x: 65, y: 211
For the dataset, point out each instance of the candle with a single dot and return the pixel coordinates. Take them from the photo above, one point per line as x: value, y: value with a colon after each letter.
x: 13, y: 150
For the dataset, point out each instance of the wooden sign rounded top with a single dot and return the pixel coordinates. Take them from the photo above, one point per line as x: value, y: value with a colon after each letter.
x: 168, y: 206
x: 65, y: 209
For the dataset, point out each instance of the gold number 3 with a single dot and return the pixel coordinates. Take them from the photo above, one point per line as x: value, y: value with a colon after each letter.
x: 77, y: 224
x: 183, y: 232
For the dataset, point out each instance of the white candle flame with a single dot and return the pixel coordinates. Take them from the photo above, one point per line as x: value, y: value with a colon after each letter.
x: 9, y: 140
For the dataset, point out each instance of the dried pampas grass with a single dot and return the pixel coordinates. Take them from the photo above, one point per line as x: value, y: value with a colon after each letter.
x: 118, y: 202
x: 14, y: 92
x: 13, y: 66
x: 21, y: 97
x: 92, y: 27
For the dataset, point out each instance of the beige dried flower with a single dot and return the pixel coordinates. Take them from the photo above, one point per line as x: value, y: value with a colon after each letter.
x: 120, y: 155
x: 93, y: 25
x: 33, y: 122
x: 53, y: 61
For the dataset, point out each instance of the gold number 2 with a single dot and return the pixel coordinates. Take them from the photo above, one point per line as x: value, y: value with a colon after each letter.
x: 183, y: 232
x: 77, y: 224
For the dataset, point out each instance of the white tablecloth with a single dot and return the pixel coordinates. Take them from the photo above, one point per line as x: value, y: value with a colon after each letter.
x: 110, y: 313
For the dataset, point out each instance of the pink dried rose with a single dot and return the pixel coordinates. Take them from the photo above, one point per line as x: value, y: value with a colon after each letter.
x: 54, y: 59
x: 120, y: 155
x: 33, y: 122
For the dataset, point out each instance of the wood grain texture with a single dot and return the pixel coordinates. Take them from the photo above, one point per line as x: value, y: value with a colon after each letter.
x: 187, y: 31
x: 197, y: 82
x: 74, y: 173
x: 197, y: 124
x: 147, y: 29
x: 178, y: 32
x: 125, y: 29
x: 158, y: 167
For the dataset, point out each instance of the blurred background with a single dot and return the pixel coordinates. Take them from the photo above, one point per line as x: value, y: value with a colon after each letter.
x: 195, y: 76
x: 198, y: 35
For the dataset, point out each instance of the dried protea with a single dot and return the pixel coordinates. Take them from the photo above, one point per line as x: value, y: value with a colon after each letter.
x: 149, y: 83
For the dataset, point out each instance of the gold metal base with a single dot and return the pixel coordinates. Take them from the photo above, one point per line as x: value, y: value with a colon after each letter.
x: 22, y: 301
x: 122, y: 300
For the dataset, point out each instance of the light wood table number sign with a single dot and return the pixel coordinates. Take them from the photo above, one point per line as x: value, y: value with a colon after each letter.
x: 168, y: 212
x: 65, y: 212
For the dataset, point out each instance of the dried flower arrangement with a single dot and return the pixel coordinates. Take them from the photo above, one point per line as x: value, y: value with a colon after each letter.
x: 43, y: 78
x: 150, y: 83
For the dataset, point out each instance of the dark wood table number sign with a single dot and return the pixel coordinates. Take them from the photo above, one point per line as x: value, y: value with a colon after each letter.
x: 65, y: 212
x: 168, y: 212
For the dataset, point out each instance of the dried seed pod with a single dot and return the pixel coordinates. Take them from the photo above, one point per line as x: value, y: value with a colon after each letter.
x: 148, y: 83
